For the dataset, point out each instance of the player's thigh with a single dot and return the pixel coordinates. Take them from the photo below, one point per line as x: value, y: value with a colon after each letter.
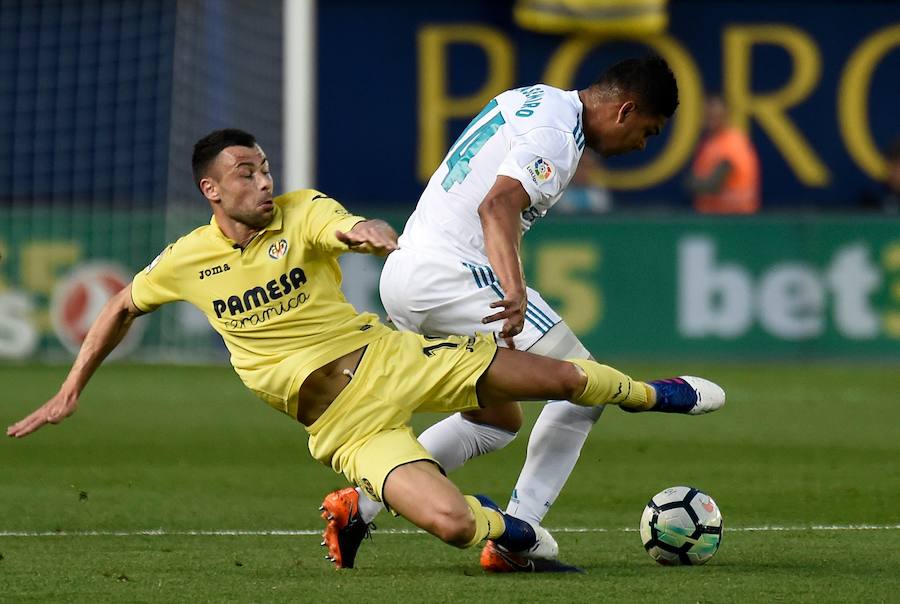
x: 516, y: 375
x: 370, y: 463
x: 440, y: 374
x: 559, y: 342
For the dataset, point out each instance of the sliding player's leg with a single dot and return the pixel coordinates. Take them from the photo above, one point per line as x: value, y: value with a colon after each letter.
x: 365, y: 434
x: 523, y: 376
x: 417, y: 490
x: 423, y: 495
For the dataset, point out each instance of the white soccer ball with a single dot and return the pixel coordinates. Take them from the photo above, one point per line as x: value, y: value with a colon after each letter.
x: 681, y: 525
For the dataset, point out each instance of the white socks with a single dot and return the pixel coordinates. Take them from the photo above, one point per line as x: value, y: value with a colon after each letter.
x: 455, y: 440
x: 368, y: 509
x: 452, y: 442
x: 553, y: 448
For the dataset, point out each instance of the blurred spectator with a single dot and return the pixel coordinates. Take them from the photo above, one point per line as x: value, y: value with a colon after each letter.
x: 887, y: 198
x: 584, y: 195
x: 724, y: 177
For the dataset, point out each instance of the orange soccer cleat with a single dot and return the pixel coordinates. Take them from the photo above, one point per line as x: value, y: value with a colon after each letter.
x: 345, y: 528
x: 495, y: 559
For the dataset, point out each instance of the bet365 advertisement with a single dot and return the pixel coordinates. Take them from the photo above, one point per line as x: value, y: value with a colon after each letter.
x: 724, y: 288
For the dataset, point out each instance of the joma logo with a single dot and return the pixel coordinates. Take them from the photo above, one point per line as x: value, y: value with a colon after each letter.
x: 208, y: 272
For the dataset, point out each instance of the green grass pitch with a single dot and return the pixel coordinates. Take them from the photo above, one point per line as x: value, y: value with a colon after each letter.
x: 187, y: 449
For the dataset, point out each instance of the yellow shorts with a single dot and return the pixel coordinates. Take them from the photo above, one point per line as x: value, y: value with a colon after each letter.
x: 365, y: 432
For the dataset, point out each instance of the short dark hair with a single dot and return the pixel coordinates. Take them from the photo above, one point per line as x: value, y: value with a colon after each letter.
x: 650, y: 78
x: 208, y: 148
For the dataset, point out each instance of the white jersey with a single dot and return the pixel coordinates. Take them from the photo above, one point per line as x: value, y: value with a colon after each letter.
x: 533, y: 134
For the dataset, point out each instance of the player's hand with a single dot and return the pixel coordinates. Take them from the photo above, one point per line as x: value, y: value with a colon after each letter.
x: 53, y: 411
x: 513, y: 315
x: 370, y: 237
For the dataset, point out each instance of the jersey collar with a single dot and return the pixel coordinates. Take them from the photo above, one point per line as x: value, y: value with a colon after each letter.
x: 274, y: 225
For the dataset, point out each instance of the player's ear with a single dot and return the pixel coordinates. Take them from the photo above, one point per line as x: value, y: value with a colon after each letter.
x: 209, y: 189
x: 626, y: 109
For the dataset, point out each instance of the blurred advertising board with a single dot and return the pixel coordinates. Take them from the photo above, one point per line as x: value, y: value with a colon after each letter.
x: 782, y: 287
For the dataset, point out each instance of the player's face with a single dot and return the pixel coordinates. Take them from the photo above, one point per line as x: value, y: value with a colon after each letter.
x: 629, y: 131
x: 242, y: 185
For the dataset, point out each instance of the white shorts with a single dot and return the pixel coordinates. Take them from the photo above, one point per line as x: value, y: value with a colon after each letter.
x: 441, y: 295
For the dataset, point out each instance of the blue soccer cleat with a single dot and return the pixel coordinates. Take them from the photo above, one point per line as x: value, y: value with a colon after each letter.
x: 687, y: 394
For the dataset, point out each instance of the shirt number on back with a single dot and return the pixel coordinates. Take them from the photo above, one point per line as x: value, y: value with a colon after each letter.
x: 468, y: 145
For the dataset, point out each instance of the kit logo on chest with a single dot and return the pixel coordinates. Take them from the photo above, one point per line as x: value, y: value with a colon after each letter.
x: 278, y: 249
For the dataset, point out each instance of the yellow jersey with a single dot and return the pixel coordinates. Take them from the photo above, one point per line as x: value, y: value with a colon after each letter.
x: 277, y: 303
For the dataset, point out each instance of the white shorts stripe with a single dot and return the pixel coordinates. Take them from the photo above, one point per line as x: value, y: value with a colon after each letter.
x: 536, y: 320
x: 539, y: 312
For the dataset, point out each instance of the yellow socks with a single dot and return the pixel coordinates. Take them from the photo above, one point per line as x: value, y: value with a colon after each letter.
x: 489, y: 523
x: 606, y: 385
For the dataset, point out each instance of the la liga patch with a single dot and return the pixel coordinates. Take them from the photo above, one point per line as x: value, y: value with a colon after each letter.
x: 540, y: 171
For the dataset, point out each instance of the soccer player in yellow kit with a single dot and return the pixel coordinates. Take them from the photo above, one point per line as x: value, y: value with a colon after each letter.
x: 264, y: 272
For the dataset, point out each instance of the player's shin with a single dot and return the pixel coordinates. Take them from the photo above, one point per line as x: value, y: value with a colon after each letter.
x: 553, y: 448
x: 606, y: 385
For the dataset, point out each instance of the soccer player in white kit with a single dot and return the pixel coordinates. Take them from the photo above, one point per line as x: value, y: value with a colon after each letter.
x: 458, y: 269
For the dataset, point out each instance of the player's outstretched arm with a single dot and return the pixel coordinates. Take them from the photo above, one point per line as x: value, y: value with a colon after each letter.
x: 370, y: 237
x: 104, y: 335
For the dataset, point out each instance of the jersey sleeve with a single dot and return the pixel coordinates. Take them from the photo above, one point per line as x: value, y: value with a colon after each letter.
x: 543, y: 160
x: 323, y: 218
x: 156, y: 284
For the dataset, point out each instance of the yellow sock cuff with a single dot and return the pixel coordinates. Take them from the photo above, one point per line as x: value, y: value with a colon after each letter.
x: 606, y: 385
x: 489, y: 523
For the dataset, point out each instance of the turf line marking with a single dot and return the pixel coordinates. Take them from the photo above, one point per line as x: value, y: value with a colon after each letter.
x: 304, y: 533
